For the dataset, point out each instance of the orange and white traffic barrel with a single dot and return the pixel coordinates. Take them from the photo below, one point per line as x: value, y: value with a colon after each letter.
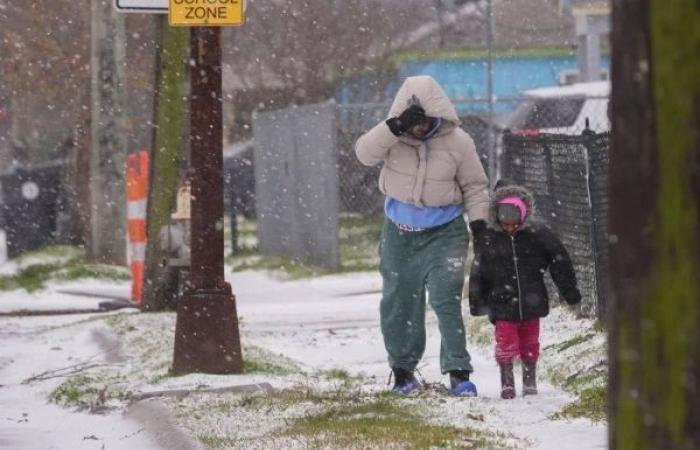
x: 136, y: 197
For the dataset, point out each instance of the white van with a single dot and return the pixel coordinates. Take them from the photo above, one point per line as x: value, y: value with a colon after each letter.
x: 562, y: 109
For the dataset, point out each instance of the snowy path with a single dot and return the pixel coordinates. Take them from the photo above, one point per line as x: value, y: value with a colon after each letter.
x: 27, y: 420
x: 329, y: 323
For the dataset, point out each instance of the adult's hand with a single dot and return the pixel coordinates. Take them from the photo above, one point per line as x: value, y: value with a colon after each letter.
x: 477, y: 227
x: 410, y: 117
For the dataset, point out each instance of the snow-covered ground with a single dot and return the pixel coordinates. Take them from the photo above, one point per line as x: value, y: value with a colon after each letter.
x: 321, y: 324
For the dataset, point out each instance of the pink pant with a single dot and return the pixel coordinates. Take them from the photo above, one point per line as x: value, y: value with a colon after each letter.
x: 515, y: 339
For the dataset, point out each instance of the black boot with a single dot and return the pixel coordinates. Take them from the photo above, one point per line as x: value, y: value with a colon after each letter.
x: 404, y: 381
x: 530, y: 378
x: 507, y: 380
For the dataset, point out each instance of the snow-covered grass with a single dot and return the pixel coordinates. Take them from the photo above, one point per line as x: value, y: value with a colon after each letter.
x: 56, y: 254
x: 359, y: 240
x: 317, y: 342
x: 573, y: 356
x: 313, y: 408
x: 62, y: 263
x: 344, y: 416
x: 140, y: 364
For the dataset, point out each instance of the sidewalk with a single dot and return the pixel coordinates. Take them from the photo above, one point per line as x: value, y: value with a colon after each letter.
x: 324, y: 324
x: 66, y: 298
x: 28, y: 421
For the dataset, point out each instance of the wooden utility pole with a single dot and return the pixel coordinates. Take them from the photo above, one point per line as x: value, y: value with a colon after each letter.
x: 108, y: 202
x: 654, y: 276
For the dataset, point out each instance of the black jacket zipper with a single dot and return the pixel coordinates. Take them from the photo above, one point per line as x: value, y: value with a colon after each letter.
x: 517, y: 276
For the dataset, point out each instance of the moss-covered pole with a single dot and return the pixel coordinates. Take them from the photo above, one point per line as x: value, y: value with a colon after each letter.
x: 167, y: 158
x: 655, y: 226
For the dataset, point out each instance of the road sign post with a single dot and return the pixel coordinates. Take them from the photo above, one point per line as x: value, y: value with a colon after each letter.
x: 206, y: 333
x: 207, y: 338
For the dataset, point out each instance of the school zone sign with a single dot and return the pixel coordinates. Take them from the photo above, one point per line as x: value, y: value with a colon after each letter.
x: 206, y: 12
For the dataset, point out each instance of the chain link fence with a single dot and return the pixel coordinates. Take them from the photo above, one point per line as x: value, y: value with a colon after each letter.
x: 568, y: 178
x: 527, y: 116
x: 567, y: 173
x: 358, y: 184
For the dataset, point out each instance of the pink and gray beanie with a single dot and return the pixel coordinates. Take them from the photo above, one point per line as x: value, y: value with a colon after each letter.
x: 512, y: 208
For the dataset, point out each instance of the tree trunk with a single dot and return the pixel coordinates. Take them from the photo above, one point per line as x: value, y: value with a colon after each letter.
x: 167, y: 158
x: 107, y: 187
x: 654, y: 277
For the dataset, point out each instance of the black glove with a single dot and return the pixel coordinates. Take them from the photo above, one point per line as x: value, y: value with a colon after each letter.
x: 410, y: 117
x: 478, y: 227
x: 572, y: 296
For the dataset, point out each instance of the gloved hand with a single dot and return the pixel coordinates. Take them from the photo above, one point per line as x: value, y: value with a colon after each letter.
x: 410, y: 117
x: 573, y: 308
x: 571, y: 296
x: 478, y: 227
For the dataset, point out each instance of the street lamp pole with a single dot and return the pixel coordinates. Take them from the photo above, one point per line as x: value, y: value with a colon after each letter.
x: 206, y: 333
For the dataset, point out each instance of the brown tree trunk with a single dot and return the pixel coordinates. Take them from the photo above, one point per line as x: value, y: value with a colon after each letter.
x: 654, y: 277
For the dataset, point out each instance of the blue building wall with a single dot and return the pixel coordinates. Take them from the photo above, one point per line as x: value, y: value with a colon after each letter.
x: 465, y: 79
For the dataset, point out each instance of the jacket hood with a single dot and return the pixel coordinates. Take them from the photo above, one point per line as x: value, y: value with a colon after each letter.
x: 429, y: 94
x: 508, y: 191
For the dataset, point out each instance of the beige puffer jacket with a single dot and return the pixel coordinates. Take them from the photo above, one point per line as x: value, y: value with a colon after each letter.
x: 441, y: 171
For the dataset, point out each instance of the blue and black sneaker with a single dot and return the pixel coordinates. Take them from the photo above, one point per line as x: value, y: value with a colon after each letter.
x: 404, y: 382
x: 460, y: 384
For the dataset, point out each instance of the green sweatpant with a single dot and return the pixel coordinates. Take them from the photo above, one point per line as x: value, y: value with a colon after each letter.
x: 410, y: 264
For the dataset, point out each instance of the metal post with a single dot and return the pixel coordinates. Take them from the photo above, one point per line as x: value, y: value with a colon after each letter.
x: 588, y: 57
x: 491, y: 148
x: 441, y: 23
x: 108, y: 154
x: 234, y: 217
x: 206, y: 334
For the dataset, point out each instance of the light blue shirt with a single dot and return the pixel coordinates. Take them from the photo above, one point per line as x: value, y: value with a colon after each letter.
x: 421, y: 217
x: 427, y: 217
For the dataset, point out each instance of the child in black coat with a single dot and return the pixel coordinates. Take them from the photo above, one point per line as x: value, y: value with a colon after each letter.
x: 507, y: 282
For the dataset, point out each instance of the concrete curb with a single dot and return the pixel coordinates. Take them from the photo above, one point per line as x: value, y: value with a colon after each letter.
x: 160, y: 426
x: 238, y: 389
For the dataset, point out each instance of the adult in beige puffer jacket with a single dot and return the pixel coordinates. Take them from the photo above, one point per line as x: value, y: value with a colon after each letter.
x: 431, y: 175
x: 446, y: 170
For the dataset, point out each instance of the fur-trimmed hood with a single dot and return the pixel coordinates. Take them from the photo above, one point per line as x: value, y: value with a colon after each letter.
x: 509, y: 191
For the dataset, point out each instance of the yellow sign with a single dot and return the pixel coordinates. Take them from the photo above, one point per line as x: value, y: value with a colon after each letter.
x: 189, y: 13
